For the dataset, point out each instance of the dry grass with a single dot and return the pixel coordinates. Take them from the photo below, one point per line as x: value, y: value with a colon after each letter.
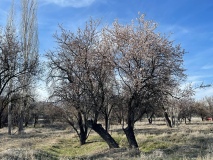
x: 156, y: 141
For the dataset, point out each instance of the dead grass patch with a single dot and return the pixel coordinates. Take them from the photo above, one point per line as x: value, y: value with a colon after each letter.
x: 156, y: 141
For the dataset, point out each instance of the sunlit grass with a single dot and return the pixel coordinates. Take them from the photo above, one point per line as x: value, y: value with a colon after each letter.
x: 192, y: 141
x: 70, y: 147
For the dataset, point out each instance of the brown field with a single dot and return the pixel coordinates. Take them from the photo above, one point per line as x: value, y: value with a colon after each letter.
x: 156, y: 141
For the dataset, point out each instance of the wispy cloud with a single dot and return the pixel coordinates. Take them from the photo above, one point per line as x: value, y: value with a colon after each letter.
x: 196, y: 82
x: 208, y: 66
x: 3, y: 15
x: 69, y: 3
x: 194, y: 79
x: 174, y: 29
x: 202, y: 93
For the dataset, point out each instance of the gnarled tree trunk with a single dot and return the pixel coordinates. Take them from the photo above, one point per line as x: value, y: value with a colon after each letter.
x: 129, y: 131
x: 103, y: 133
x: 168, y: 121
x: 130, y: 137
x: 83, y: 129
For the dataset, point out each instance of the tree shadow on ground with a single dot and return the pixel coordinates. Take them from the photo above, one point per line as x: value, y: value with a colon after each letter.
x: 191, y: 150
x: 155, y: 131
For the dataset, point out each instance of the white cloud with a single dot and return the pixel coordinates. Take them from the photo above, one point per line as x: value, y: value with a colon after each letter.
x: 69, y: 3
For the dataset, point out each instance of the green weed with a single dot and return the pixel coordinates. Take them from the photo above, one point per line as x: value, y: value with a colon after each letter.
x: 72, y: 147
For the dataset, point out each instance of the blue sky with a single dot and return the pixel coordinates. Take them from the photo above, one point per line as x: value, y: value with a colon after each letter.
x: 189, y: 21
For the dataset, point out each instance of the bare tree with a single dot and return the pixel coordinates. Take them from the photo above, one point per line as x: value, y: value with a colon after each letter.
x: 89, y: 66
x: 3, y: 105
x: 209, y: 101
x: 19, y: 56
x: 186, y: 109
x: 9, y: 56
x: 82, y: 74
x: 11, y: 29
x: 180, y: 105
x: 29, y: 49
x: 148, y: 67
x: 201, y: 109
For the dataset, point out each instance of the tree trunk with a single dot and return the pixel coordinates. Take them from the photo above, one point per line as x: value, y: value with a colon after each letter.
x: 20, y: 123
x: 26, y: 123
x: 103, y: 133
x: 83, y: 138
x: 202, y: 118
x: 21, y: 116
x: 106, y: 122
x: 9, y: 119
x: 150, y: 118
x: 130, y: 137
x: 26, y: 118
x: 173, y: 120
x: 83, y: 129
x: 0, y: 121
x: 168, y: 121
x: 189, y: 119
x: 35, y: 120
